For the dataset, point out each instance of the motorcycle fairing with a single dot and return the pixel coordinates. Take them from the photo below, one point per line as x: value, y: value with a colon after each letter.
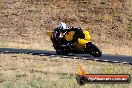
x: 49, y: 33
x: 69, y: 35
x: 86, y: 39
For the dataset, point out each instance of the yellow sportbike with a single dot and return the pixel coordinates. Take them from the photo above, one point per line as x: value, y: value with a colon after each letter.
x: 80, y: 43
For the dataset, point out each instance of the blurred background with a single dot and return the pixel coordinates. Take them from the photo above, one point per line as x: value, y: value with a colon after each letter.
x: 23, y: 23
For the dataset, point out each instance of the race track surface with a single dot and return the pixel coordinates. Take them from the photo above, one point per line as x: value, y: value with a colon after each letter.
x: 104, y: 58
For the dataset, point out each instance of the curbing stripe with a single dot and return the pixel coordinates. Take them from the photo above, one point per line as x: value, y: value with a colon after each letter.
x: 69, y: 56
x: 65, y: 56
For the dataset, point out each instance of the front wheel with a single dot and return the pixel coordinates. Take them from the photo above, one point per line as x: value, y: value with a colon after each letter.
x: 94, y: 50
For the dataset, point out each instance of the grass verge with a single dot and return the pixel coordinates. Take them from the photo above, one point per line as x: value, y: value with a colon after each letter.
x: 28, y: 71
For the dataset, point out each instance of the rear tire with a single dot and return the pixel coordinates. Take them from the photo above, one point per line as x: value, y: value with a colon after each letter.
x: 62, y: 51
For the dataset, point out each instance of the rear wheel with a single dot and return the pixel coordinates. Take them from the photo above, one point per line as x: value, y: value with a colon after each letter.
x: 94, y: 50
x: 62, y: 51
x: 59, y: 52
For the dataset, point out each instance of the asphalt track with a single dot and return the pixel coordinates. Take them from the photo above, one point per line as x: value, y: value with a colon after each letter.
x: 104, y: 58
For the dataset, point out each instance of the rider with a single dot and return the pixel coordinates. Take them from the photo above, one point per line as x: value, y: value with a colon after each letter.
x: 58, y: 35
x: 60, y: 30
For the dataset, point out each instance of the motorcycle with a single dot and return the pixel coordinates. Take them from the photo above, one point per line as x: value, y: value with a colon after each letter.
x: 82, y: 43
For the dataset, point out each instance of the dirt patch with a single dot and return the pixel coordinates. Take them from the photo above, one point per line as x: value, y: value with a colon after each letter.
x: 25, y: 22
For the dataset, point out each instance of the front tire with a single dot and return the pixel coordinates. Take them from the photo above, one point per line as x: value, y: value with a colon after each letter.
x: 94, y: 50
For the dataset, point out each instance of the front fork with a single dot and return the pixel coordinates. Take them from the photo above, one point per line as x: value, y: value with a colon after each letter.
x: 87, y: 47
